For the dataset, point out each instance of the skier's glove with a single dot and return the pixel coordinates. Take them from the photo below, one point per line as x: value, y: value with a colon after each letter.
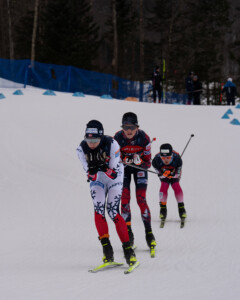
x: 137, y: 159
x: 103, y: 166
x: 168, y: 174
x: 92, y: 177
x: 127, y: 160
x: 111, y: 174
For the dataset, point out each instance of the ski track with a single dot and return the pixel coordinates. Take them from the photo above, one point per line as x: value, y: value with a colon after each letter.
x: 48, y: 237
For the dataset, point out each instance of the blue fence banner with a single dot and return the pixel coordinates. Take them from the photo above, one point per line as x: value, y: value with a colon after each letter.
x: 71, y: 79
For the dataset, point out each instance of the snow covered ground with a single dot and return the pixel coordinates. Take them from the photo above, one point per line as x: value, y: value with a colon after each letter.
x: 48, y: 238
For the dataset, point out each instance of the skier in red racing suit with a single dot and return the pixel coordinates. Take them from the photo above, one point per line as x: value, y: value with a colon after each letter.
x: 135, y: 148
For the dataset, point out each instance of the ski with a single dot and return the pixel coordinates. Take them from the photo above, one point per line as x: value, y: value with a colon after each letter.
x: 131, y: 268
x: 182, y: 222
x: 152, y: 251
x: 162, y: 223
x: 105, y: 266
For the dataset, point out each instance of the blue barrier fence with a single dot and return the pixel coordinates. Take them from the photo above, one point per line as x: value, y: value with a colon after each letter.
x: 72, y: 79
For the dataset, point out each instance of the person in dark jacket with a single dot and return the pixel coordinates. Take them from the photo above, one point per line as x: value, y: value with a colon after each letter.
x: 135, y: 148
x: 197, y: 90
x: 156, y: 84
x: 189, y: 87
x: 168, y: 164
x: 231, y: 91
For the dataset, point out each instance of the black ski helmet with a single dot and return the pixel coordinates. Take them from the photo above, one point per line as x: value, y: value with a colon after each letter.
x: 166, y: 150
x: 130, y: 118
x: 94, y: 129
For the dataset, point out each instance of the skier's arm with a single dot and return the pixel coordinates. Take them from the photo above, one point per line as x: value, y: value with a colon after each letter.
x: 82, y: 158
x: 147, y: 154
x: 178, y: 170
x: 89, y: 167
x: 115, y: 161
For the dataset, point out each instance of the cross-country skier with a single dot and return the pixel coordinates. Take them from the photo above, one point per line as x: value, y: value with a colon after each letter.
x: 168, y: 164
x: 100, y: 157
x: 135, y: 147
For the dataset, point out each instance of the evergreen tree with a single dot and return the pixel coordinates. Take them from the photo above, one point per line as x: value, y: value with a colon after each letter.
x: 127, y: 39
x: 66, y: 35
x: 70, y: 35
x: 209, y: 23
x: 191, y: 34
x: 167, y: 25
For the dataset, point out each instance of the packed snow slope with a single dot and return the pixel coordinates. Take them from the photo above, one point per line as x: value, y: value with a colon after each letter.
x: 48, y: 236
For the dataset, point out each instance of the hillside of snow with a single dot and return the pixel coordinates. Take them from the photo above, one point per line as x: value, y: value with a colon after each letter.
x: 48, y: 236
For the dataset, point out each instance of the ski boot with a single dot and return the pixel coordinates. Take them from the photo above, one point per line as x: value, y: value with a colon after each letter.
x: 107, y: 250
x: 151, y: 242
x: 182, y: 211
x: 163, y: 211
x: 129, y: 254
x: 150, y: 239
x: 131, y: 236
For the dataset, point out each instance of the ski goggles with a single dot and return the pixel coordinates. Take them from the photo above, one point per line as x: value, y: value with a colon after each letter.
x: 166, y: 157
x: 131, y: 127
x: 93, y: 140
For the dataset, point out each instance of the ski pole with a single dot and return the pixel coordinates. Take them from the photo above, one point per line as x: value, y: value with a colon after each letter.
x: 153, y: 140
x: 136, y: 167
x: 192, y: 135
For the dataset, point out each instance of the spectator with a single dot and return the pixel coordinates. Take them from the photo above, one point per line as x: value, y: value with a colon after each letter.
x: 231, y: 91
x: 197, y: 90
x: 189, y: 87
x: 156, y: 83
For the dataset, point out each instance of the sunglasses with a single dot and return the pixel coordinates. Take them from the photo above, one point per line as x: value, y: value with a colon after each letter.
x: 127, y: 127
x: 92, y: 140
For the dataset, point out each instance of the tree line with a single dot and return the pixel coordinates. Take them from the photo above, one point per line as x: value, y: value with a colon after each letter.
x: 128, y: 38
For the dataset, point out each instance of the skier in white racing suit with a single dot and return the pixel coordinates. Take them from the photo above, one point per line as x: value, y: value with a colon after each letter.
x: 100, y: 157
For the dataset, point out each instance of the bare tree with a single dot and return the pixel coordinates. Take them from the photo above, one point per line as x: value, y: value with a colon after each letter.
x: 141, y: 39
x: 133, y: 54
x: 11, y: 47
x: 115, y: 38
x: 35, y: 24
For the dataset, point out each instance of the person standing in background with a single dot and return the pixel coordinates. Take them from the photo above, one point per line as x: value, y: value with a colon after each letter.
x: 197, y: 90
x: 156, y: 84
x: 189, y: 87
x: 230, y: 90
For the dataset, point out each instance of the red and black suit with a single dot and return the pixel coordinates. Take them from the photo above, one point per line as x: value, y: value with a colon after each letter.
x: 140, y: 144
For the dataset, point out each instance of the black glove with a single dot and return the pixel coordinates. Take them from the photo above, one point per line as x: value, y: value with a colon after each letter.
x: 103, y: 167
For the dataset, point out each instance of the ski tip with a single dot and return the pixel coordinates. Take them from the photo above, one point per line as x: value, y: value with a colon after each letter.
x: 162, y: 223
x: 182, y: 222
x: 131, y: 268
x: 105, y: 266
